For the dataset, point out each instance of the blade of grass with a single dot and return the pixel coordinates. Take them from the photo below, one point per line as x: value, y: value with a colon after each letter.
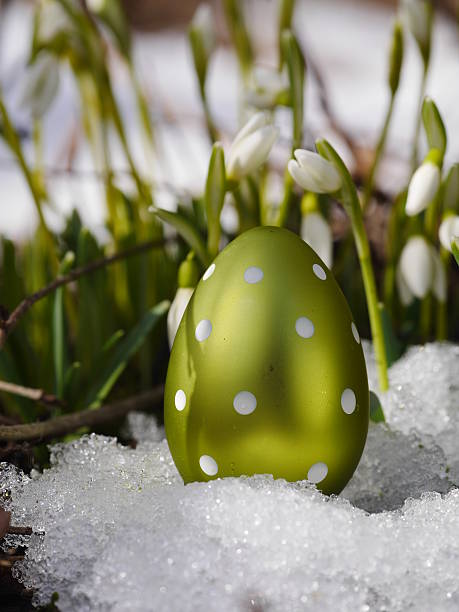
x: 125, y: 350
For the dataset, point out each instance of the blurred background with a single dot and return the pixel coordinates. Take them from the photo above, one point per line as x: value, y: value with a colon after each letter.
x: 346, y: 45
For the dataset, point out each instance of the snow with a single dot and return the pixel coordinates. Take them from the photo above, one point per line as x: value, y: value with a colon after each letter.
x: 116, y: 529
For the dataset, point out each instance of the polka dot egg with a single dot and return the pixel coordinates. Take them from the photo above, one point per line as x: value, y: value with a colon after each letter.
x: 267, y: 374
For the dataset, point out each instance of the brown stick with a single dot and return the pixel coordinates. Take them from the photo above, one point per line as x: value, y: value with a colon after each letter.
x: 38, y: 395
x: 13, y: 530
x: 7, y: 326
x: 67, y: 423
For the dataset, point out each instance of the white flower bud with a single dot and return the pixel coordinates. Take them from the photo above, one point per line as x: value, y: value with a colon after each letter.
x: 176, y: 311
x: 448, y: 231
x: 439, y: 281
x: 316, y: 232
x: 423, y: 188
x: 417, y: 266
x: 251, y: 147
x: 203, y: 22
x: 314, y: 173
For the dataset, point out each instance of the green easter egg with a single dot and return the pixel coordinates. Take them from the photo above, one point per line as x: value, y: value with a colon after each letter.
x: 267, y: 374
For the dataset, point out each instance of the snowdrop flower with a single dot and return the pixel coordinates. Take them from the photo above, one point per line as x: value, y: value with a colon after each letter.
x: 316, y: 232
x: 423, y: 188
x: 314, y: 173
x: 42, y: 84
x: 448, y: 231
x: 188, y: 276
x: 418, y: 17
x: 267, y: 86
x: 51, y: 20
x: 251, y: 147
x: 415, y: 271
x: 176, y: 311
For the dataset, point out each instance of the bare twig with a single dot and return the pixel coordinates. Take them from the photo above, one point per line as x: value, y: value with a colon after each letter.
x: 7, y: 326
x: 68, y: 423
x: 19, y: 530
x: 38, y: 395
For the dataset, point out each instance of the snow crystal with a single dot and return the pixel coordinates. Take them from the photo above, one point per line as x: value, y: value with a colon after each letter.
x: 114, y: 528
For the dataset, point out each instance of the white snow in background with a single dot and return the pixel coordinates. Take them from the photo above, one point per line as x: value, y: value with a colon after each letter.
x: 348, y: 40
x: 116, y: 529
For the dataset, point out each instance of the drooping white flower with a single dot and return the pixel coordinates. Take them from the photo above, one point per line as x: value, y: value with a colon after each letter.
x: 439, y: 280
x: 417, y: 266
x: 423, y: 188
x: 314, y: 173
x: 176, y: 311
x: 251, y: 146
x: 448, y: 231
x: 417, y: 16
x: 266, y: 86
x: 41, y: 85
x: 404, y: 293
x: 316, y: 232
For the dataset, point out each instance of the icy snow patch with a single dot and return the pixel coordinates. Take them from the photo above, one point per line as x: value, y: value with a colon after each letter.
x: 116, y: 529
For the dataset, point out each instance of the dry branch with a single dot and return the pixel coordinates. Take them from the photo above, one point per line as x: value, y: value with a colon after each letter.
x: 37, y: 395
x: 68, y: 423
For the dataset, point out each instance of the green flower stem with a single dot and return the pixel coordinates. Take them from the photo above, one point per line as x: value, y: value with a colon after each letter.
x: 349, y: 198
x: 247, y: 217
x: 286, y: 201
x: 431, y: 222
x: 211, y: 129
x: 414, y: 156
x: 441, y: 323
x: 13, y: 141
x: 378, y: 154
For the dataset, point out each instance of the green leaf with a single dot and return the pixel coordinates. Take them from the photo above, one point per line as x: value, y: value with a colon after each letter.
x: 393, y: 346
x: 455, y: 249
x: 296, y: 67
x: 451, y: 189
x: 71, y: 378
x: 214, y: 197
x: 187, y: 230
x: 434, y: 126
x: 376, y: 411
x: 112, y: 340
x: 58, y: 326
x: 124, y: 352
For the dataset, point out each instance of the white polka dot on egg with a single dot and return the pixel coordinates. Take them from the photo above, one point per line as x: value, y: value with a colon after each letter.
x: 348, y: 401
x: 208, y: 273
x: 203, y: 330
x: 317, y: 472
x: 244, y: 402
x: 319, y: 271
x: 180, y: 400
x: 253, y: 275
x: 355, y: 332
x: 304, y: 327
x: 208, y: 465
